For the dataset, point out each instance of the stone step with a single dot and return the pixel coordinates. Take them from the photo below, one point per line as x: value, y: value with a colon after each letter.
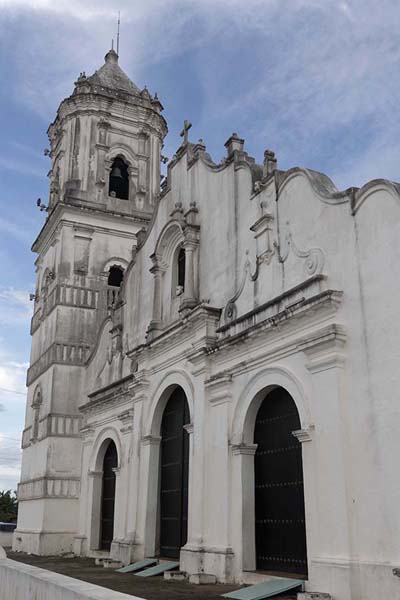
x: 202, y: 579
x: 174, y: 575
x: 110, y: 563
x: 313, y: 596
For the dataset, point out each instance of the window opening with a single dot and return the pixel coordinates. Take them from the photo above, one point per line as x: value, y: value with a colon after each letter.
x: 115, y: 276
x: 181, y: 271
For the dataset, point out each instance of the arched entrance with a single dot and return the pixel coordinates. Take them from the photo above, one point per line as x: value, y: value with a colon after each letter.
x: 280, y: 531
x: 110, y: 462
x: 174, y: 470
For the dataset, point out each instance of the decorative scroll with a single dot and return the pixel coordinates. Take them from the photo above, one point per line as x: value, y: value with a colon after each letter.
x: 314, y: 258
x: 230, y: 310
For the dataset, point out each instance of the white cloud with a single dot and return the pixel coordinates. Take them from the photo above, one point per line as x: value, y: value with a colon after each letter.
x: 10, y: 462
x: 13, y: 398
x: 322, y: 68
x: 15, y: 307
x: 20, y: 231
x: 19, y: 167
x: 12, y: 377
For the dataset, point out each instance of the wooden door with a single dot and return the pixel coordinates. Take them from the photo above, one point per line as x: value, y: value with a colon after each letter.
x: 110, y: 462
x: 174, y: 475
x: 279, y: 493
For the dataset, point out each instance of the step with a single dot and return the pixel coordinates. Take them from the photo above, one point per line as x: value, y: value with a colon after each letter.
x: 174, y: 575
x: 313, y: 596
x: 158, y: 569
x: 202, y: 579
x: 266, y: 589
x: 253, y: 577
x: 110, y: 563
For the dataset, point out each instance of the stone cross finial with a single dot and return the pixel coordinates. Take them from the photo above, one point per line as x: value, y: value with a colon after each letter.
x: 185, y: 131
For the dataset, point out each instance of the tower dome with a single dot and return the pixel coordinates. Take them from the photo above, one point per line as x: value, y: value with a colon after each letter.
x: 111, y: 78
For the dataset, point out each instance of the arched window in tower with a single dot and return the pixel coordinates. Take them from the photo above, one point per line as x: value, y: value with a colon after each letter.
x: 119, y: 179
x: 181, y: 272
x: 115, y: 278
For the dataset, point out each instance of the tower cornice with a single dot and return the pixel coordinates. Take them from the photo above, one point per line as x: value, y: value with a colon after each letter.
x: 56, y: 218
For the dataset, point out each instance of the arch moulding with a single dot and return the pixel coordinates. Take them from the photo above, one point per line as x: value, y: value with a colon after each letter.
x: 124, y: 152
x: 115, y: 261
x: 163, y: 391
x: 100, y: 446
x: 170, y: 237
x: 255, y: 391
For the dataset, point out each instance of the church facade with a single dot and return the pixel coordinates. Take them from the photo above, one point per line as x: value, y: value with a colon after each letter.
x: 214, y: 363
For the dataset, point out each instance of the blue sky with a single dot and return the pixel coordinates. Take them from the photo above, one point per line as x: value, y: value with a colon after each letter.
x: 317, y: 81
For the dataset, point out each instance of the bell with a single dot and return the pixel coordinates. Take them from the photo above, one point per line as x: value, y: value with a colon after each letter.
x: 116, y: 172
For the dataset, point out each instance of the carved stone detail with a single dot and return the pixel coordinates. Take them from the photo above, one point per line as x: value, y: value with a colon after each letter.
x: 314, y: 258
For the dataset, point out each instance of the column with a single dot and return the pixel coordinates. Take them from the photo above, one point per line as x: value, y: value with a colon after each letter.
x: 218, y: 536
x: 133, y: 531
x: 94, y: 508
x: 243, y: 507
x: 190, y: 295
x: 327, y: 503
x: 148, y: 502
x: 81, y: 544
x: 157, y: 271
x: 118, y: 515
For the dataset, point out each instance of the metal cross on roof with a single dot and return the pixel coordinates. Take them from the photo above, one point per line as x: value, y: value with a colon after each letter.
x: 185, y: 131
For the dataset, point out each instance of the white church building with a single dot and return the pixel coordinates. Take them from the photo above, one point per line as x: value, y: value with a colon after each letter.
x: 215, y: 362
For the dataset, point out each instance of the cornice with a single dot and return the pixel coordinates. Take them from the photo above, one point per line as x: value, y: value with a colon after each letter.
x: 219, y: 389
x: 304, y: 435
x: 374, y: 187
x: 55, y: 221
x: 111, y: 392
x: 244, y: 449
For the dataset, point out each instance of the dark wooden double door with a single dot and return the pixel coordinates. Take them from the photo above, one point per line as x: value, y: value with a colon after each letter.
x: 174, y: 480
x: 279, y: 494
x: 110, y: 463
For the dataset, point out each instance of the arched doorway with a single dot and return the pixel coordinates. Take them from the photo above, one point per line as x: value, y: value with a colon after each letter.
x: 110, y: 462
x: 280, y: 531
x: 174, y: 469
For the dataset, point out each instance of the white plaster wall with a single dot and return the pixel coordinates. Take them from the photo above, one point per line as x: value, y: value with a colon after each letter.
x: 6, y: 538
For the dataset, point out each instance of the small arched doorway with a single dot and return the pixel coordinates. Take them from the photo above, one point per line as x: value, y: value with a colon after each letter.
x: 110, y: 463
x: 174, y: 475
x: 280, y: 530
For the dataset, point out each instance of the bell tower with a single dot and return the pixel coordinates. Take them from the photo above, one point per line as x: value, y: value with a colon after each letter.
x: 105, y: 145
x: 105, y: 149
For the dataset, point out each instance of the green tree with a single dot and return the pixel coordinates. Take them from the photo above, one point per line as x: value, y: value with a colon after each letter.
x: 8, y: 506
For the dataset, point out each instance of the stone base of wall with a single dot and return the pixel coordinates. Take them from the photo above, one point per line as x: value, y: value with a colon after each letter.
x: 43, y: 543
x: 349, y: 580
x: 214, y: 561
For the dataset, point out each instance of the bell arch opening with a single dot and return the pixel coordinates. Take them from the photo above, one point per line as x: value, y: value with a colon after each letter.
x: 119, y: 179
x: 280, y: 528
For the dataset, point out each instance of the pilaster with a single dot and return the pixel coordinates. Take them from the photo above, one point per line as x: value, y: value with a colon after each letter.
x: 324, y: 451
